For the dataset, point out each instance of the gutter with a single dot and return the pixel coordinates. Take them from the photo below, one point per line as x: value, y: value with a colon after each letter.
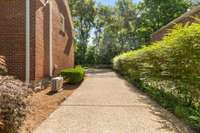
x: 27, y: 41
x: 48, y: 3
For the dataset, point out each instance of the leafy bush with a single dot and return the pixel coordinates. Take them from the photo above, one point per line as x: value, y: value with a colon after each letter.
x: 169, y: 70
x: 73, y: 75
x: 13, y: 103
x: 3, y: 70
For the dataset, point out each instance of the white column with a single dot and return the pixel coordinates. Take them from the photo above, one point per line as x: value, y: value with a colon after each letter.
x: 50, y: 40
x: 27, y: 41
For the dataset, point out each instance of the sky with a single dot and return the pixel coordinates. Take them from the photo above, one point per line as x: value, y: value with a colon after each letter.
x: 111, y: 2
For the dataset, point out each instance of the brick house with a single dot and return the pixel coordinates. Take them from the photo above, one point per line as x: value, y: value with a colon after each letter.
x: 36, y: 37
x: 188, y: 17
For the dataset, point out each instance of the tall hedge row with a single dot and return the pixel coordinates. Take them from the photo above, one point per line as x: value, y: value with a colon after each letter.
x: 169, y: 70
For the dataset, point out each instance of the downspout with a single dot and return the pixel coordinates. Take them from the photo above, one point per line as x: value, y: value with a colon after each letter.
x: 27, y: 41
x: 50, y: 40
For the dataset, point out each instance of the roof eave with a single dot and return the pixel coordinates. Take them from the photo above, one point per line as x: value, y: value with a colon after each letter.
x: 175, y: 21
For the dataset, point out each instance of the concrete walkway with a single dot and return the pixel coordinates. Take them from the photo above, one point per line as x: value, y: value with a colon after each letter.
x: 105, y: 103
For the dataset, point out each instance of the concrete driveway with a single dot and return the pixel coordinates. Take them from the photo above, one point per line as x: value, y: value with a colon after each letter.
x: 105, y: 103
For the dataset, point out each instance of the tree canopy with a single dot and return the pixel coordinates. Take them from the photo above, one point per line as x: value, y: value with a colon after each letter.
x: 103, y: 31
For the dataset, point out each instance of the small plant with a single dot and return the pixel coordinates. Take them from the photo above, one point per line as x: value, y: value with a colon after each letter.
x: 3, y: 70
x: 73, y: 75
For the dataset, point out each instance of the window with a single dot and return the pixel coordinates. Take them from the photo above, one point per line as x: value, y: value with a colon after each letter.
x: 62, y: 22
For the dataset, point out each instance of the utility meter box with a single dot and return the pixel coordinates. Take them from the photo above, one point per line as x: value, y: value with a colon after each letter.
x: 56, y: 84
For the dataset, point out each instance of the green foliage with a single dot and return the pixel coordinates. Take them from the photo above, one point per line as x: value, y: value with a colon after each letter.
x: 83, y: 12
x: 90, y: 55
x: 3, y: 71
x: 156, y: 13
x: 73, y: 75
x: 169, y: 71
x: 112, y: 30
x: 119, y: 28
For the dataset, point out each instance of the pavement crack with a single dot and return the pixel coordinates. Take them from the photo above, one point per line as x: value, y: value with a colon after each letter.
x: 80, y: 105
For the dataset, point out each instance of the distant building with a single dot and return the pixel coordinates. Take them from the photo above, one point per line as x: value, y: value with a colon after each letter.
x: 187, y: 17
x: 36, y: 37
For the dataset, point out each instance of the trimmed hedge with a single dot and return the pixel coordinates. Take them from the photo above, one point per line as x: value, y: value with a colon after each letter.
x: 169, y: 71
x: 73, y: 75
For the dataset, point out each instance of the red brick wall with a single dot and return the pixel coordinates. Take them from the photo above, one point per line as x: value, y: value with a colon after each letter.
x: 12, y: 38
x: 157, y: 36
x: 41, y: 40
x: 12, y: 29
x: 63, y: 51
x: 32, y: 39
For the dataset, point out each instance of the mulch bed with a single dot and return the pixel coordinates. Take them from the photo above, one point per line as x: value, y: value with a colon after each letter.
x: 42, y: 104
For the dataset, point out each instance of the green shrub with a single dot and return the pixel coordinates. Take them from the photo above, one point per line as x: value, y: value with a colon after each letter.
x: 3, y: 70
x: 168, y: 70
x: 73, y: 75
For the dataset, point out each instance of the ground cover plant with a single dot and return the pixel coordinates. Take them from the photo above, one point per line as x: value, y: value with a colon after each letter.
x: 2, y: 71
x: 169, y: 71
x: 73, y: 75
